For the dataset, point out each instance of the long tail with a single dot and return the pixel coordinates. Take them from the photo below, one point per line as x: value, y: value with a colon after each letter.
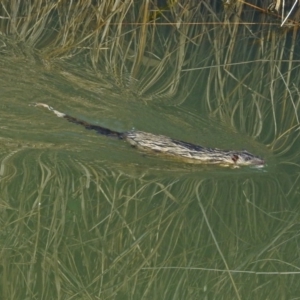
x: 98, y: 129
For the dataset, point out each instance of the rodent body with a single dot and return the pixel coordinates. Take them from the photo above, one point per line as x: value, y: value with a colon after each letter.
x: 184, y: 151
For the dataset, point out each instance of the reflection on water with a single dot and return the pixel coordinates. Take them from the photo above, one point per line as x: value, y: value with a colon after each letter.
x: 89, y: 216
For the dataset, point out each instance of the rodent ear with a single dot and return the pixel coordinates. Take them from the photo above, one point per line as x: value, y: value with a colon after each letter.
x: 235, y: 157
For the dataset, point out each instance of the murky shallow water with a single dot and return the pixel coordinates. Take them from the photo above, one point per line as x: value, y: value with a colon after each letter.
x: 98, y: 102
x: 89, y: 210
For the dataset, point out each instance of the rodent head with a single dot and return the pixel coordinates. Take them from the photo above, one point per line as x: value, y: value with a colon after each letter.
x: 244, y: 158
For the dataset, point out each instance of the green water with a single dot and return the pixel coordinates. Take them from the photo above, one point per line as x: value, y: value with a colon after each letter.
x: 88, y: 217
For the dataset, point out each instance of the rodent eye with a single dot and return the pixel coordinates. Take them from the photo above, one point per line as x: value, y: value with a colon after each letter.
x: 235, y: 157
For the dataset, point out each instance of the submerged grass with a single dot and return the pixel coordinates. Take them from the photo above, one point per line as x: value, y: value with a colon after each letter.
x: 252, y: 82
x: 75, y: 230
x: 242, y: 65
